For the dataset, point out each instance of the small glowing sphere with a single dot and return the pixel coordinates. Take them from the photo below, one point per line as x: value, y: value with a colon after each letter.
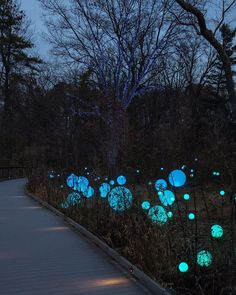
x: 191, y: 170
x: 186, y: 197
x: 177, y: 178
x: 170, y: 214
x: 196, y: 159
x: 120, y: 199
x: 204, y: 258
x: 104, y: 189
x: 112, y: 182
x: 217, y: 231
x: 191, y: 216
x: 81, y: 184
x: 99, y: 178
x: 191, y: 175
x: 89, y: 192
x: 70, y: 181
x: 106, y: 178
x: 138, y: 171
x: 160, y: 185
x: 88, y: 173
x: 146, y: 205
x: 183, y: 167
x: 162, y: 168
x: 121, y: 180
x: 85, y: 168
x: 158, y: 215
x: 167, y: 197
x: 183, y: 267
x: 62, y: 186
x: 222, y: 193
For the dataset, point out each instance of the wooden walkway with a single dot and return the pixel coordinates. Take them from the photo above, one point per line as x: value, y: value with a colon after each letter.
x: 40, y: 255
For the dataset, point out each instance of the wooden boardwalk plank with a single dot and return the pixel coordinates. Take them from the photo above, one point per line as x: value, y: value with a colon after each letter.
x: 40, y: 255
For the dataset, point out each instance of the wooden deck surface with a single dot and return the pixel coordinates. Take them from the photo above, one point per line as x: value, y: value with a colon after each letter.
x: 41, y: 255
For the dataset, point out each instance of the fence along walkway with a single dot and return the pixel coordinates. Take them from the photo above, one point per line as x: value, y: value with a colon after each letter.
x: 40, y: 255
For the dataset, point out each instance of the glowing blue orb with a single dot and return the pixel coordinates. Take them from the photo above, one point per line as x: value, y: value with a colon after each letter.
x: 222, y: 193
x: 112, y: 182
x: 106, y: 178
x: 170, y: 214
x: 71, y: 179
x: 217, y: 231
x: 62, y: 186
x: 177, y: 178
x: 162, y: 168
x: 81, y: 184
x: 191, y: 216
x: 183, y: 167
x: 104, y: 189
x: 183, y: 267
x: 72, y: 199
x: 120, y: 198
x: 121, y: 180
x: 138, y: 171
x: 160, y: 185
x: 186, y: 197
x: 158, y: 215
x: 89, y: 192
x: 146, y: 205
x: 204, y: 258
x: 167, y: 198
x: 191, y: 170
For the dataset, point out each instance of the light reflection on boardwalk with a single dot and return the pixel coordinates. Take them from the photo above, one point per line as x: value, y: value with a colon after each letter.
x: 40, y: 255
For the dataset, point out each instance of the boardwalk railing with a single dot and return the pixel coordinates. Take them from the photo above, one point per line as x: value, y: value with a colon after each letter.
x: 10, y: 172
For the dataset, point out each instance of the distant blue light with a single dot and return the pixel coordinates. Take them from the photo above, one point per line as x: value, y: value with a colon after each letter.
x: 222, y: 193
x: 183, y: 167
x: 162, y: 168
x: 121, y: 180
x: 177, y: 178
x: 104, y: 189
x: 170, y: 214
x: 186, y: 197
x: 160, y: 184
x: 191, y: 216
x: 167, y: 198
x: 120, y: 199
x: 158, y: 215
x: 146, y: 205
x: 112, y: 182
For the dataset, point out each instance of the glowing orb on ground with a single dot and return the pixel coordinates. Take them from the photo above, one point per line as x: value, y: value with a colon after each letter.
x: 183, y: 267
x: 217, y: 231
x: 121, y: 180
x: 120, y: 199
x: 204, y: 258
x: 146, y: 205
x: 104, y: 189
x: 158, y: 215
x: 167, y: 197
x: 177, y: 178
x: 160, y: 185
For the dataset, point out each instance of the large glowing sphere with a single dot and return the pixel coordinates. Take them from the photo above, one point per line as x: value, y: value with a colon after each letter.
x: 158, y: 215
x: 104, y: 189
x: 71, y: 179
x: 120, y: 198
x: 121, y: 180
x: 146, y: 205
x: 177, y: 178
x: 204, y: 258
x: 72, y: 199
x: 160, y: 185
x: 217, y: 231
x: 89, y: 192
x: 167, y: 197
x: 81, y: 184
x: 183, y: 267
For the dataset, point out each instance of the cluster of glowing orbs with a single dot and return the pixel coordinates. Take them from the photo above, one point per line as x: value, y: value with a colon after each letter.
x: 120, y: 199
x: 204, y: 258
x: 104, y: 189
x: 89, y: 192
x: 167, y: 198
x: 186, y: 197
x: 222, y: 193
x: 191, y: 216
x: 215, y: 173
x: 121, y: 180
x: 145, y: 205
x: 217, y: 231
x: 72, y: 199
x: 177, y: 178
x: 160, y: 185
x: 158, y: 215
x: 183, y: 267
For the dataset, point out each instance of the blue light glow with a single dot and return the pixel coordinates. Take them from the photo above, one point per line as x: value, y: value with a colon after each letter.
x: 158, y: 215
x: 167, y: 198
x: 71, y: 179
x: 81, y: 184
x: 112, y: 182
x: 222, y: 193
x: 162, y: 168
x: 120, y: 199
x: 204, y: 258
x: 170, y: 214
x: 183, y: 267
x: 104, y: 189
x: 89, y: 192
x: 217, y: 231
x: 138, y: 171
x: 186, y: 197
x: 146, y: 205
x: 177, y: 178
x: 72, y: 199
x: 160, y: 185
x: 121, y: 180
x: 191, y: 216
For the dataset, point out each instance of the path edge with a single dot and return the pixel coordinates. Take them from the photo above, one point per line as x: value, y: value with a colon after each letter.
x: 144, y: 279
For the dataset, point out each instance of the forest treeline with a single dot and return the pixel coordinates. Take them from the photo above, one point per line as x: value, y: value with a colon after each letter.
x: 132, y: 84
